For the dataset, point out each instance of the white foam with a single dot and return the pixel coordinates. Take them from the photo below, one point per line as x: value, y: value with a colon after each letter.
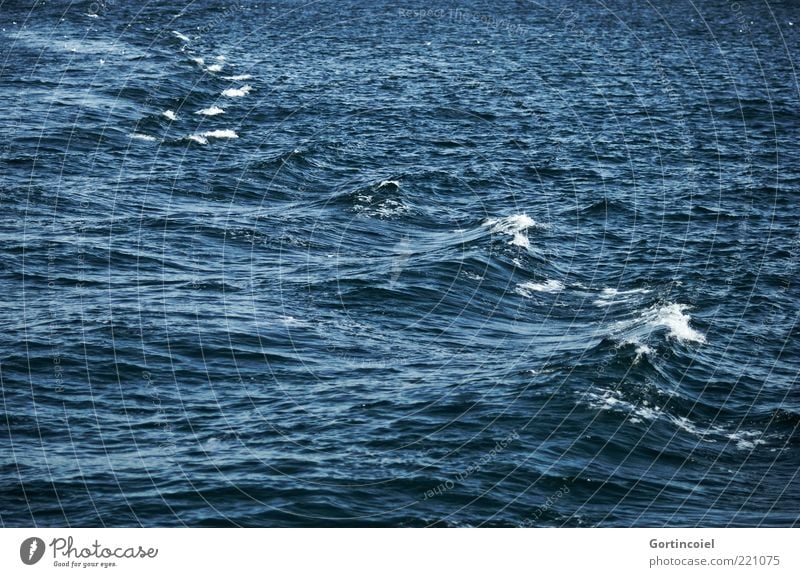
x: 199, y: 61
x: 670, y: 316
x: 673, y: 317
x: 215, y: 68
x: 612, y: 296
x: 511, y: 224
x: 139, y: 136
x: 384, y: 208
x: 520, y: 239
x: 527, y: 289
x: 473, y: 276
x: 239, y: 77
x: 389, y: 183
x: 746, y: 440
x: 389, y: 208
x: 211, y: 111
x: 203, y: 137
x: 227, y: 133
x: 170, y: 114
x: 514, y: 226
x: 642, y: 349
x: 220, y: 58
x: 688, y: 426
x: 609, y: 402
x: 236, y: 92
x: 181, y: 36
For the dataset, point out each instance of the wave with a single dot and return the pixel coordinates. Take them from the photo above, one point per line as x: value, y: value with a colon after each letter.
x: 612, y: 296
x: 237, y: 92
x: 226, y: 133
x: 211, y: 111
x: 606, y: 206
x: 515, y: 226
x: 203, y: 137
x: 295, y: 159
x: 672, y: 316
x: 382, y: 208
x: 527, y: 289
x: 181, y: 36
x: 381, y: 199
x: 638, y: 412
x: 145, y: 137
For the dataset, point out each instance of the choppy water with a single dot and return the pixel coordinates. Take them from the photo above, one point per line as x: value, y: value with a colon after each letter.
x: 377, y: 263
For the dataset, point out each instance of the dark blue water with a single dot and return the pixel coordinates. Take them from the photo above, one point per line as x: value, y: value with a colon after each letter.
x: 452, y: 264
